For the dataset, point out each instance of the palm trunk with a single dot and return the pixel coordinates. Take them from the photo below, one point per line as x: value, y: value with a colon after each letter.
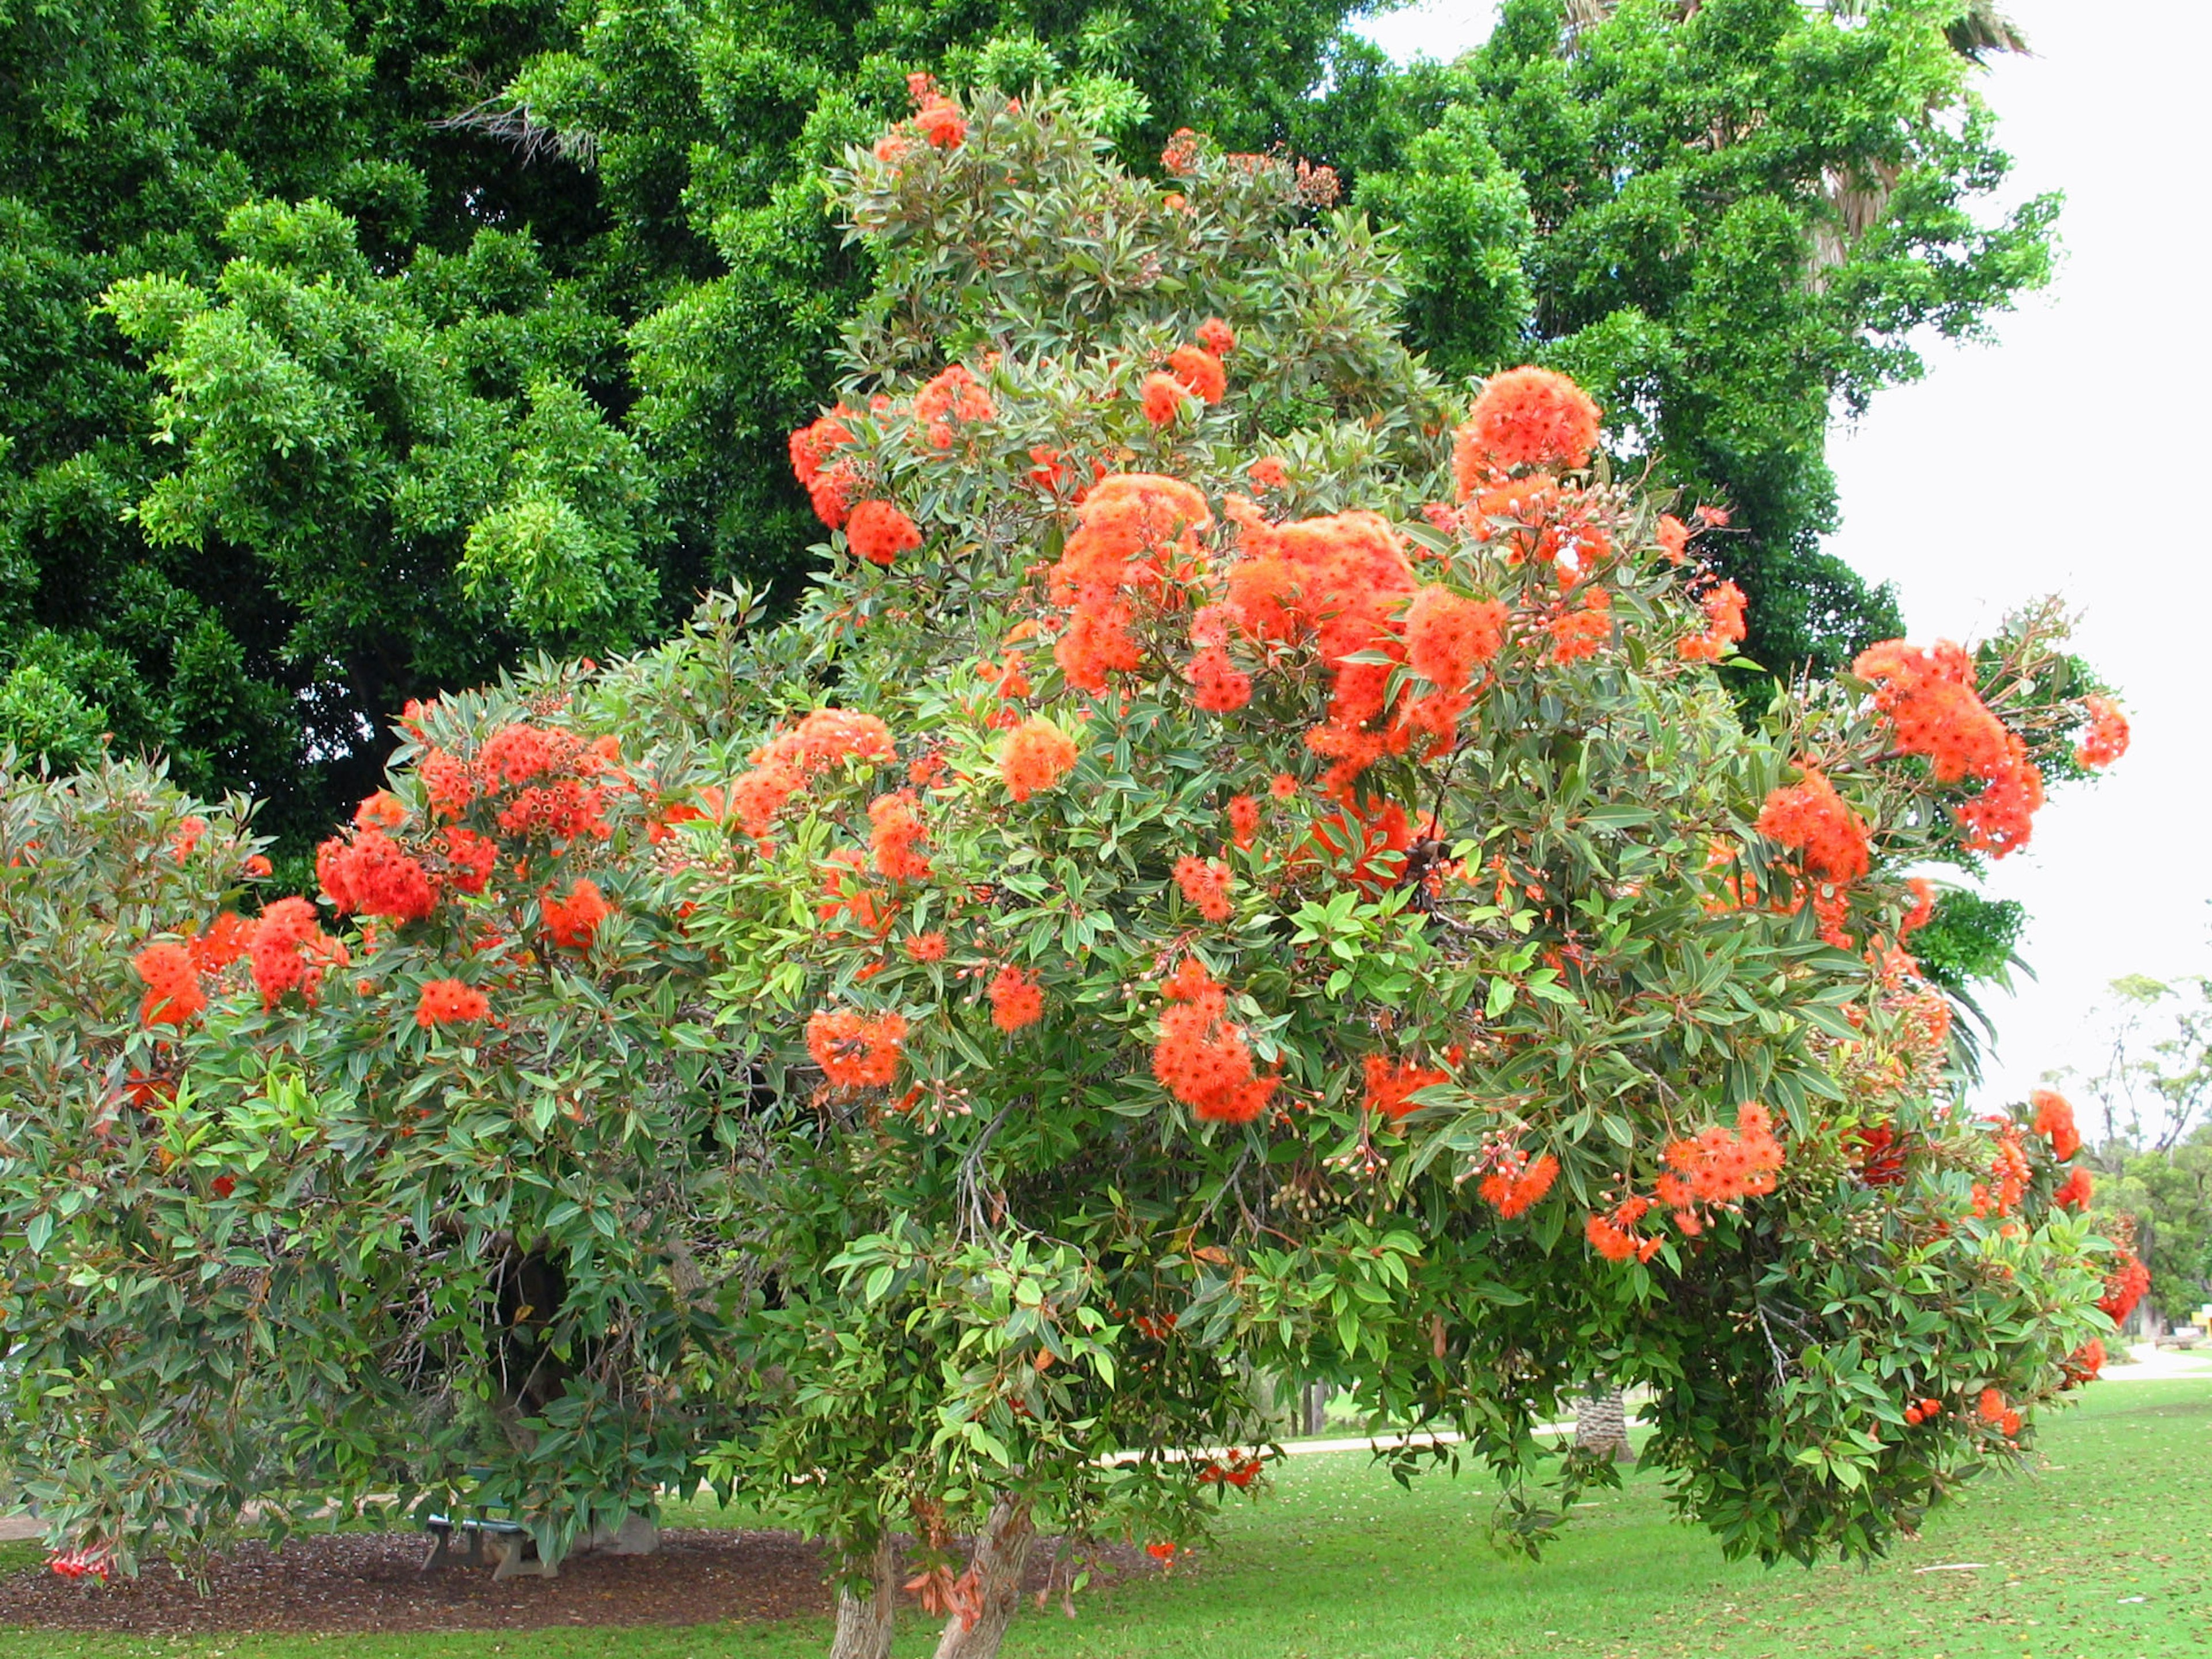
x: 1002, y: 1555
x: 1601, y: 1421
x: 863, y: 1622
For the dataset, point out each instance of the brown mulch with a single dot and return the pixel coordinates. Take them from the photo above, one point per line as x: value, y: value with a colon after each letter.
x: 332, y: 1583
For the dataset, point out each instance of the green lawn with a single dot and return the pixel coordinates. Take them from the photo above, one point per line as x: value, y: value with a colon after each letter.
x: 2107, y: 1554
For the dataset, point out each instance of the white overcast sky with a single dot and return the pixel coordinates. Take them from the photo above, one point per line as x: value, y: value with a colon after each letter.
x: 2057, y: 461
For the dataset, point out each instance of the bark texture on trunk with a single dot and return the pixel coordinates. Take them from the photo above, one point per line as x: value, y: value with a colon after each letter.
x: 1601, y: 1422
x: 864, y: 1621
x: 1002, y: 1555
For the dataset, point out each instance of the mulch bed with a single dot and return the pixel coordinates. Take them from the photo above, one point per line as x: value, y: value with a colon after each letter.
x: 333, y: 1583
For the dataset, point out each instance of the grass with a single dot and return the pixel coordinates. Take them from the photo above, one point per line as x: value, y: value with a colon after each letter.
x: 2106, y: 1554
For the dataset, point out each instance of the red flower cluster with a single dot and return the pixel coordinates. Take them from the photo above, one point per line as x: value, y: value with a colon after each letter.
x: 1813, y: 818
x: 1205, y: 884
x: 846, y: 893
x: 1201, y: 1058
x: 171, y: 978
x: 1613, y: 1235
x: 1132, y: 529
x: 1930, y: 698
x: 785, y: 765
x: 1217, y: 337
x: 1389, y: 1083
x: 1723, y: 607
x: 2107, y: 739
x: 1922, y: 1411
x: 856, y: 1050
x: 87, y: 1563
x: 1524, y: 418
x: 450, y: 1002
x: 372, y: 876
x: 1198, y: 372
x: 1016, y: 999
x: 2008, y: 1172
x: 1244, y: 820
x: 1239, y: 1470
x: 926, y: 947
x: 1514, y: 1185
x: 935, y: 117
x: 572, y: 921
x: 187, y: 838
x: 1449, y: 636
x: 1583, y: 633
x: 1268, y: 473
x: 879, y: 533
x: 1162, y: 398
x: 1877, y: 1154
x: 1035, y: 756
x: 2054, y: 1121
x: 829, y: 484
x: 1719, y: 1168
x: 290, y: 951
x: 2124, y: 1285
x: 1993, y: 1410
x: 1217, y: 685
x: 553, y: 773
x: 2074, y: 1192
x: 2085, y: 1364
x: 895, y: 830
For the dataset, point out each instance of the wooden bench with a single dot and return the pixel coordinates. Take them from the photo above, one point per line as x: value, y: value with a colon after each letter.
x: 509, y: 1542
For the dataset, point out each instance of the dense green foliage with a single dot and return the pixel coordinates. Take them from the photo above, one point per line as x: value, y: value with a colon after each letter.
x: 351, y: 351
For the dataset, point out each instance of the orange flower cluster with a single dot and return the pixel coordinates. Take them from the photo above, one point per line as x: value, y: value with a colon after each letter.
x: 1162, y: 396
x: 2009, y: 1173
x: 2125, y: 1284
x: 370, y: 875
x: 895, y: 830
x: 1612, y: 1234
x: 1719, y: 1167
x: 1524, y: 418
x: 1016, y: 999
x: 1201, y: 1058
x: 1338, y: 581
x: 1268, y: 473
x: 926, y: 947
x: 1583, y: 633
x: 172, y: 979
x: 2085, y: 1363
x: 1449, y: 636
x: 553, y: 773
x: 1723, y: 607
x: 1389, y: 1083
x: 572, y: 921
x: 949, y: 396
x: 1993, y: 1410
x: 1035, y: 756
x: 2054, y: 1121
x: 2107, y: 739
x: 1923, y: 1411
x: 846, y: 893
x: 290, y: 951
x: 1217, y: 337
x: 1364, y: 839
x: 1205, y: 884
x: 856, y: 1050
x: 1514, y: 1185
x: 1243, y: 820
x: 1217, y: 685
x: 785, y: 765
x: 1132, y: 529
x: 879, y: 533
x: 1930, y: 698
x: 450, y: 1002
x: 1811, y: 817
x: 935, y: 117
x: 829, y: 484
x: 1199, y: 372
x: 2074, y: 1192
x: 1239, y: 1470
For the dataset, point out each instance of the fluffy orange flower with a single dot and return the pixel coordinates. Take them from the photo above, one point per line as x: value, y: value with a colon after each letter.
x: 1723, y: 607
x: 1244, y: 820
x: 879, y: 533
x: 572, y: 921
x: 1388, y: 1085
x: 2074, y: 1192
x: 1199, y: 372
x: 2107, y: 739
x: 938, y: 121
x: 1525, y: 417
x: 1449, y: 636
x: 449, y: 1002
x: 173, y: 996
x: 926, y: 947
x: 1205, y: 884
x: 290, y: 951
x: 1267, y: 473
x: 1201, y: 1058
x: 1016, y: 999
x: 1811, y: 817
x: 895, y: 830
x: 372, y: 876
x: 2054, y: 1121
x: 1035, y: 756
x: 1164, y: 397
x: 1514, y: 1189
x: 1217, y: 337
x: 856, y: 1050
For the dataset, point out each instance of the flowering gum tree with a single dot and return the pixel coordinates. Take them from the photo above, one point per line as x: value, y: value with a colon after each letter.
x: 1244, y: 861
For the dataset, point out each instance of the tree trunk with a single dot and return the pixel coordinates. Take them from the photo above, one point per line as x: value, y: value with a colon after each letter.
x: 863, y: 1622
x: 1002, y: 1555
x: 1316, y: 1405
x: 1601, y: 1421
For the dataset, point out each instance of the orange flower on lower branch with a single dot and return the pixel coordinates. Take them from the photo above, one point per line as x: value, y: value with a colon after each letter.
x: 856, y: 1050
x: 1612, y: 1234
x: 449, y: 1002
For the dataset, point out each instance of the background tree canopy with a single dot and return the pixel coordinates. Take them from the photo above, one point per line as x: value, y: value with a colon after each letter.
x: 352, y: 350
